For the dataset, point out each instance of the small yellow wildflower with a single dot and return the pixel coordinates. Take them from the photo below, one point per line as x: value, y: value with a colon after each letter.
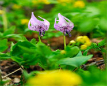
x: 63, y: 51
x: 83, y: 47
x: 40, y: 1
x: 24, y: 21
x: 55, y: 78
x: 34, y: 1
x: 84, y: 40
x: 1, y: 12
x: 64, y: 1
x: 80, y: 39
x: 79, y: 4
x: 88, y: 43
x: 15, y: 6
x: 72, y: 42
x: 46, y: 1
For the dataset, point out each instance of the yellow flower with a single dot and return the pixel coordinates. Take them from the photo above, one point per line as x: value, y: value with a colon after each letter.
x: 40, y: 1
x: 84, y: 40
x: 15, y: 6
x: 24, y: 21
x: 64, y: 1
x: 80, y: 39
x: 1, y: 12
x: 63, y: 51
x: 72, y: 42
x: 34, y: 1
x: 83, y: 47
x: 79, y: 3
x: 46, y: 1
x: 88, y: 43
x: 55, y: 78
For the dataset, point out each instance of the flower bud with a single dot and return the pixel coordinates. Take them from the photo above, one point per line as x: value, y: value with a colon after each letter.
x: 72, y: 42
x: 63, y: 51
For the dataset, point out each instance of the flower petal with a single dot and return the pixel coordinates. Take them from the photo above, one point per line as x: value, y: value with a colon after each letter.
x: 62, y: 21
x: 37, y: 25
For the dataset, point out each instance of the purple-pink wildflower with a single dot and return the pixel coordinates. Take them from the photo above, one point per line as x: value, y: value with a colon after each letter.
x: 37, y: 25
x: 64, y: 25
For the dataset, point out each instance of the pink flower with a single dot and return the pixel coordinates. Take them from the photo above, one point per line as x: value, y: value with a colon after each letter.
x: 37, y: 25
x: 64, y: 25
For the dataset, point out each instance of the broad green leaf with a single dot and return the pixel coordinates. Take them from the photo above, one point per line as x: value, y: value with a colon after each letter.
x: 21, y: 47
x: 102, y: 43
x: 76, y: 61
x: 79, y: 54
x: 11, y: 30
x: 71, y: 51
x: 33, y: 41
x: 28, y: 50
x: 103, y: 24
x: 3, y: 45
x: 43, y: 49
x: 4, y: 56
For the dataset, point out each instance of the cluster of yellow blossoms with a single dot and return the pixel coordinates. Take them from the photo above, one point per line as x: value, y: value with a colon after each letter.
x: 55, y: 78
x: 40, y: 1
x: 65, y: 1
x: 84, y: 40
x: 77, y: 3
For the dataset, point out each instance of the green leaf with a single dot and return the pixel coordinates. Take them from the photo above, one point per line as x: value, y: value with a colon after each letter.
x: 102, y: 43
x: 76, y: 61
x: 71, y: 51
x: 3, y: 45
x: 103, y: 24
x: 33, y: 41
x: 4, y: 56
x: 21, y: 47
x: 11, y: 30
x: 79, y: 54
x: 43, y: 49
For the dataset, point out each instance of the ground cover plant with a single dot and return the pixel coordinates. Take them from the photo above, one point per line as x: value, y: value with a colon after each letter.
x: 53, y: 43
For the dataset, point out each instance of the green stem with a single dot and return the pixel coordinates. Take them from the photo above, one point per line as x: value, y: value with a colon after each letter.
x: 0, y: 79
x: 4, y: 19
x: 105, y: 58
x: 106, y: 53
x: 64, y: 42
x: 39, y: 38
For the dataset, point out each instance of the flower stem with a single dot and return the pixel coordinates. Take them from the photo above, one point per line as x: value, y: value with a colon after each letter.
x: 64, y: 42
x: 0, y: 79
x: 4, y: 18
x: 106, y: 53
x: 39, y: 38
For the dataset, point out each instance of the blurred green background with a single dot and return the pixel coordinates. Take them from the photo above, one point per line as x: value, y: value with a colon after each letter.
x: 88, y: 16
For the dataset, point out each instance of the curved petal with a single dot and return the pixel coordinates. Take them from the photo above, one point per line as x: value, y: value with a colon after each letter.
x: 37, y: 25
x: 62, y: 21
x: 45, y: 22
x: 69, y: 22
x: 29, y: 26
